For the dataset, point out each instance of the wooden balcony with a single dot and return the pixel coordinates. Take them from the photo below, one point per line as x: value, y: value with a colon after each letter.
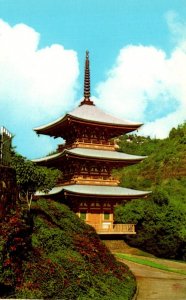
x: 102, y: 145
x: 114, y: 228
x: 88, y: 143
x: 90, y: 180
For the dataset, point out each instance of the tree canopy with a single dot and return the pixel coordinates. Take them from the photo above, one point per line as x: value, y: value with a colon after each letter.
x: 31, y: 178
x: 160, y: 226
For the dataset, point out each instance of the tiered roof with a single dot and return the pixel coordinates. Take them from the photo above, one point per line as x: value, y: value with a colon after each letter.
x: 91, y: 154
x: 96, y: 190
x: 87, y: 114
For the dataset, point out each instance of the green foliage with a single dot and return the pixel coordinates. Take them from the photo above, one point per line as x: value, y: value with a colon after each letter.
x: 64, y: 258
x: 14, y: 247
x: 160, y: 226
x: 31, y: 177
x: 160, y: 197
x: 179, y: 133
x: 166, y: 159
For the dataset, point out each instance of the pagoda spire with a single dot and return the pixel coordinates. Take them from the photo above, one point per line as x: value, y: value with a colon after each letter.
x: 87, y: 78
x: 86, y: 99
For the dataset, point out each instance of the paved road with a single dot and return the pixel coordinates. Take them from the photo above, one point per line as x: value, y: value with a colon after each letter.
x: 155, y: 284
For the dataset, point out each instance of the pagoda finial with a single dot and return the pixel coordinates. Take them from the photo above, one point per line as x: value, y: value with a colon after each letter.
x: 87, y: 82
x: 87, y: 78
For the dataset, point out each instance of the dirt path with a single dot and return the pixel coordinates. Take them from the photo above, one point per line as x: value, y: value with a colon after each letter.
x: 157, y: 284
x: 153, y: 284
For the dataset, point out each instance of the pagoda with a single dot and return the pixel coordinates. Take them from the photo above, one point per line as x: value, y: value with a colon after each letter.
x: 87, y: 159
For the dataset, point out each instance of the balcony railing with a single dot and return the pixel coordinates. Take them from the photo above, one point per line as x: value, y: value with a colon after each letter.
x: 88, y: 143
x: 114, y: 228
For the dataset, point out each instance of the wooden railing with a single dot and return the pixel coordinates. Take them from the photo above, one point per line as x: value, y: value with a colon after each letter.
x: 114, y: 228
x: 93, y: 145
x: 96, y: 181
x: 90, y: 180
x: 90, y: 144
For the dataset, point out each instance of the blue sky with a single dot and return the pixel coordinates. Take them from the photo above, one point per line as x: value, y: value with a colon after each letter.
x: 137, y: 54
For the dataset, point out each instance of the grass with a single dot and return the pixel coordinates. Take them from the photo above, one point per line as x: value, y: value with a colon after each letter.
x: 138, y: 252
x: 149, y: 263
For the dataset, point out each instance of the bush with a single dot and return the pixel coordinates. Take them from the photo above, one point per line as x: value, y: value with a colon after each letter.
x: 160, y: 197
x: 160, y: 226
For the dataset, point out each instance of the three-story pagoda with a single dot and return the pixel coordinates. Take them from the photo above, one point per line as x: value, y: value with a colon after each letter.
x: 87, y: 159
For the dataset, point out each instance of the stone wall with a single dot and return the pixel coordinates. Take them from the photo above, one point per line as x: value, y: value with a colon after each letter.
x: 8, y: 189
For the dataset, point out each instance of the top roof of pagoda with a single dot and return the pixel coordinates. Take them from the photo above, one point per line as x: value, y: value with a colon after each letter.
x: 88, y: 112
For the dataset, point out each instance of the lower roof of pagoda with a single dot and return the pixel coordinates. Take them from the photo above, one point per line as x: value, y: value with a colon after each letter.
x: 86, y: 153
x: 90, y: 114
x: 96, y: 191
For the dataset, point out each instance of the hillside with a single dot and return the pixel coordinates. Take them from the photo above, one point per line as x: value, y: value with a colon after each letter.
x: 165, y: 166
x: 161, y: 219
x: 57, y: 256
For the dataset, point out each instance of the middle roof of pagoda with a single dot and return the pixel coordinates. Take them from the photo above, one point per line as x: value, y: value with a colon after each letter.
x: 92, y: 154
x: 87, y: 114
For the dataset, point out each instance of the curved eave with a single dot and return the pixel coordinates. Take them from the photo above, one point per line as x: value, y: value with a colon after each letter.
x: 107, y: 196
x: 91, y: 154
x: 53, y: 129
x: 89, y: 115
x: 131, y: 160
x: 89, y: 191
x: 46, y: 129
x: 46, y: 158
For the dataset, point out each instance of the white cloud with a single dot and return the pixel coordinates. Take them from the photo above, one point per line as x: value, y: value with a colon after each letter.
x: 146, y: 85
x: 35, y: 84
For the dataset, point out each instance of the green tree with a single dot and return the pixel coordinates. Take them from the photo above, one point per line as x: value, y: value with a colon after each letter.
x: 160, y: 226
x: 31, y: 178
x: 160, y: 197
x: 179, y: 132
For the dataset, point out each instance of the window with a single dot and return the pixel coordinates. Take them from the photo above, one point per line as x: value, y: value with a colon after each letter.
x: 106, y: 216
x: 83, y: 215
